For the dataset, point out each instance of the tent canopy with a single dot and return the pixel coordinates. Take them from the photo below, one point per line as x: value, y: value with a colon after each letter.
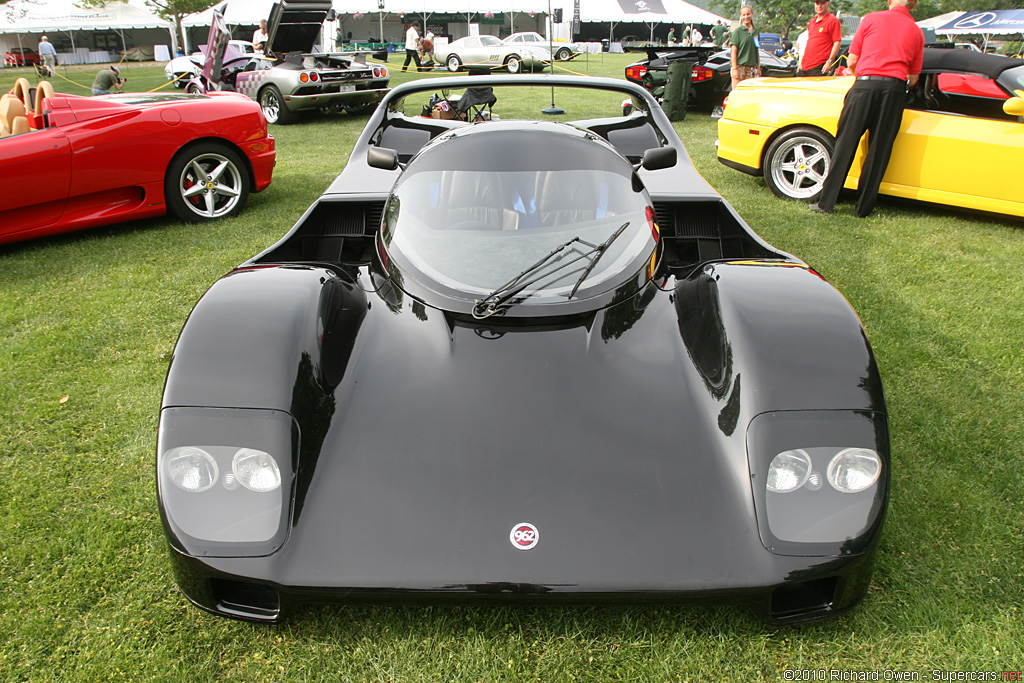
x: 250, y: 12
x: 995, y: 22
x: 646, y: 11
x: 62, y: 15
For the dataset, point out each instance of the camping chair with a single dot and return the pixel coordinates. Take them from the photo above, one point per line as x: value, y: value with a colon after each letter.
x: 474, y: 102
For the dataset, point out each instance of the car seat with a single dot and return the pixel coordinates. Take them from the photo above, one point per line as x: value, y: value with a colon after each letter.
x: 13, y: 120
x: 37, y: 117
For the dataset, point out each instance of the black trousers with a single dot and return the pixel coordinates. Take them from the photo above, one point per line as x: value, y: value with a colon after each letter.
x: 813, y: 71
x: 411, y: 55
x: 875, y: 107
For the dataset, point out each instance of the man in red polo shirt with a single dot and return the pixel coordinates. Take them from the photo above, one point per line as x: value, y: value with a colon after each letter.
x: 824, y: 36
x: 885, y: 56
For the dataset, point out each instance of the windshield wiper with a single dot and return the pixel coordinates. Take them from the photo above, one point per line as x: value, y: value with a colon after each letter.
x: 600, y: 252
x: 489, y: 305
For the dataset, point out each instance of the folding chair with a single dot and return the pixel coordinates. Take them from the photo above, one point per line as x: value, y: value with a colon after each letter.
x: 474, y: 102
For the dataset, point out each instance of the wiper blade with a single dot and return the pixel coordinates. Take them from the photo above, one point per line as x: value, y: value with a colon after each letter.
x: 489, y: 305
x: 600, y: 252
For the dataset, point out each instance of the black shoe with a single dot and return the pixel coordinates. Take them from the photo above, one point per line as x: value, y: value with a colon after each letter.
x: 817, y: 209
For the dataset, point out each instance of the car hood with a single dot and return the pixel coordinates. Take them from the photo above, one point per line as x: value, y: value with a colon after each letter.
x: 295, y: 26
x: 443, y: 435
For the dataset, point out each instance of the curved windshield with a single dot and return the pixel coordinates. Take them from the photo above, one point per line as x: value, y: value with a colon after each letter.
x: 484, y: 210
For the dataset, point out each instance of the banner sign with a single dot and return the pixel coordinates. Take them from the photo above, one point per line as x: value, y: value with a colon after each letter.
x: 997, y: 21
x: 642, y: 6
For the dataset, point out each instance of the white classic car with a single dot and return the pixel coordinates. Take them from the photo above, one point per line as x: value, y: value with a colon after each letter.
x: 488, y: 52
x: 563, y: 51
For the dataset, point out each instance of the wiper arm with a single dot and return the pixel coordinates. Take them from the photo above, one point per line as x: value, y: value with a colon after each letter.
x: 600, y: 252
x: 488, y: 306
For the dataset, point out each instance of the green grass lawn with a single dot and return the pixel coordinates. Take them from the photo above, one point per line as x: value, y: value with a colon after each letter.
x: 87, y: 325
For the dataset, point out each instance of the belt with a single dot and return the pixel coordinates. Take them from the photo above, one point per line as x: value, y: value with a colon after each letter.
x: 881, y: 78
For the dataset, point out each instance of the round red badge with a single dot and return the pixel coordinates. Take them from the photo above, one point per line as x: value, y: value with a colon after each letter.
x: 524, y: 536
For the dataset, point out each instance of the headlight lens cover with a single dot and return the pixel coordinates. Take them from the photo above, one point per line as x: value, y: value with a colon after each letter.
x: 225, y: 479
x: 792, y: 454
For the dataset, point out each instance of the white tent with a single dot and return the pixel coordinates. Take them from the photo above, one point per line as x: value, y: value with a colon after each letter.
x: 63, y: 17
x: 646, y: 11
x: 649, y: 12
x: 935, y: 22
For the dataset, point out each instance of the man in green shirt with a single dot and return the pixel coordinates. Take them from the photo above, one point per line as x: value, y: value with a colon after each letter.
x: 106, y: 81
x: 718, y: 34
x: 746, y: 58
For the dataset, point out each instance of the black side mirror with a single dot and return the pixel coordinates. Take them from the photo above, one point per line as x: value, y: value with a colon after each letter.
x: 658, y: 158
x: 381, y: 157
x: 331, y: 14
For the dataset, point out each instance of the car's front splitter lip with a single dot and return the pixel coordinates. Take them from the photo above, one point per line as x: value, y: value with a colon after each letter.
x: 216, y: 584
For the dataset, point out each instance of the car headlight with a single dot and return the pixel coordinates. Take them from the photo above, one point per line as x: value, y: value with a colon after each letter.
x: 256, y: 470
x: 813, y: 498
x: 191, y: 469
x: 854, y: 469
x: 224, y: 479
x: 789, y: 471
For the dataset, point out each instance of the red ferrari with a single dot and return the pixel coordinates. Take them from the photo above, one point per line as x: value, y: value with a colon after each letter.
x: 70, y: 162
x: 21, y: 56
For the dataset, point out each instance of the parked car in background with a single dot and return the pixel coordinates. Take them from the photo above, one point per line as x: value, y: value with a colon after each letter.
x: 82, y: 162
x: 185, y: 68
x: 710, y: 80
x: 291, y: 78
x: 488, y: 52
x: 562, y: 51
x: 503, y: 361
x: 21, y: 56
x: 637, y: 44
x: 958, y: 145
x: 772, y: 42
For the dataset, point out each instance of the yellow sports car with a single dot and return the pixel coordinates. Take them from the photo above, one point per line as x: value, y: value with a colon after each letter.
x: 961, y: 142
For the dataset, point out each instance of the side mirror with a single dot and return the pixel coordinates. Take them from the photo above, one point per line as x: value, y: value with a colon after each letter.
x: 1014, y: 106
x: 331, y: 14
x: 658, y: 158
x: 381, y: 157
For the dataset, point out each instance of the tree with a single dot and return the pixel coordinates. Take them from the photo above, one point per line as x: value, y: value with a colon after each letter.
x: 171, y: 10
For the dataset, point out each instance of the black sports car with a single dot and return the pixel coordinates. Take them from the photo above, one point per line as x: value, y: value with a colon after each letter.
x: 710, y: 80
x: 519, y: 359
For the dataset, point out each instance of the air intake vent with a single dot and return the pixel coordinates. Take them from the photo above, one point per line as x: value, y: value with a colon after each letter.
x: 666, y: 218
x: 374, y: 213
x: 351, y: 220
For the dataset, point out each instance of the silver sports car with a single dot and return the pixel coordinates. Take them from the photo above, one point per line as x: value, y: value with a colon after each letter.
x: 488, y: 52
x: 291, y: 77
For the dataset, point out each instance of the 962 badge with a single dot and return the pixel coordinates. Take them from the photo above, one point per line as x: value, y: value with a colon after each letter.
x: 524, y: 536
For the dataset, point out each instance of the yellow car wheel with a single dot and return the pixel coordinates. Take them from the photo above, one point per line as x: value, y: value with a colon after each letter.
x: 797, y: 162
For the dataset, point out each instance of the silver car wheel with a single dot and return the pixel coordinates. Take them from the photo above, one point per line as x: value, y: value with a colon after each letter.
x: 454, y: 63
x: 210, y: 185
x: 798, y: 166
x: 271, y: 105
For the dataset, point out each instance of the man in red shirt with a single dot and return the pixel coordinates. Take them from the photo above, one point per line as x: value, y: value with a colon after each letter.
x: 824, y: 36
x: 885, y: 56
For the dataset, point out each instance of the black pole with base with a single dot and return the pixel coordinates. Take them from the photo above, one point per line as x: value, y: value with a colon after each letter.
x: 552, y: 110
